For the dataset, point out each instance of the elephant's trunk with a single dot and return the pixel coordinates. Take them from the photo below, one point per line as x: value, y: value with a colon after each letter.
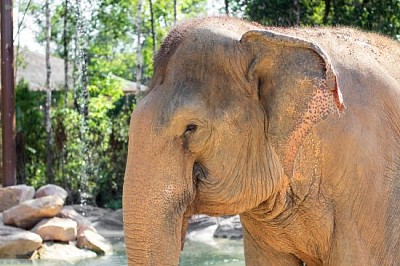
x: 157, y: 191
x: 151, y: 237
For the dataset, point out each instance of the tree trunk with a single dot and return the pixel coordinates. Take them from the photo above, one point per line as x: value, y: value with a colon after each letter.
x: 66, y: 79
x: 49, y: 154
x: 153, y: 32
x: 66, y: 62
x: 75, y: 72
x: 175, y: 12
x: 297, y: 12
x: 326, y: 13
x: 7, y: 94
x: 227, y: 7
x: 139, y: 51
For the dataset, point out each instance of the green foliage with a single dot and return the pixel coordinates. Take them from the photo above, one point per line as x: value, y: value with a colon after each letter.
x: 102, y: 142
x: 372, y: 15
x: 30, y: 138
x: 106, y: 141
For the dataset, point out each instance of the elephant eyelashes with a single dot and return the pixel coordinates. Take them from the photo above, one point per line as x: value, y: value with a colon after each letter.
x: 190, y: 129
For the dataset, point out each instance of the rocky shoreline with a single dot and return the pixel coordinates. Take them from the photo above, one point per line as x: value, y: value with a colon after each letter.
x: 37, y: 225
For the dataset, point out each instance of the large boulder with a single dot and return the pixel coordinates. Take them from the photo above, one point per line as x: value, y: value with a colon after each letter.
x: 14, y: 195
x: 59, y: 229
x: 113, y: 220
x: 28, y: 213
x: 110, y: 225
x: 17, y: 243
x: 89, y: 239
x: 59, y: 251
x: 51, y: 189
x: 91, y: 212
x: 229, y: 228
x: 69, y: 212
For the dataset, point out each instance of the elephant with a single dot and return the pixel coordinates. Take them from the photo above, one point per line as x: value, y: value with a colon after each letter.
x: 297, y: 130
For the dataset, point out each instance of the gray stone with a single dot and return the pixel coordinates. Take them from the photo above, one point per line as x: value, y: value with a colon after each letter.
x: 51, y: 189
x: 229, y: 228
x: 69, y: 212
x: 14, y: 195
x: 59, y: 229
x: 59, y: 251
x: 90, y: 212
x: 17, y: 243
x: 110, y: 225
x: 28, y: 213
x: 107, y: 223
x: 93, y: 241
x: 198, y: 222
x: 113, y: 220
x: 82, y: 228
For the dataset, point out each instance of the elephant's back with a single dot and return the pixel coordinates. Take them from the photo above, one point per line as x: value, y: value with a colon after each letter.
x: 349, y: 48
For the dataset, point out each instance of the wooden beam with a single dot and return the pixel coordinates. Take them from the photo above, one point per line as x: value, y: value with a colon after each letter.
x: 7, y: 94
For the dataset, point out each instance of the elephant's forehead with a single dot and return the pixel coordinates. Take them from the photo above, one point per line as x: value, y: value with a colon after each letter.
x: 207, y: 41
x: 204, y: 67
x: 190, y: 99
x: 207, y: 61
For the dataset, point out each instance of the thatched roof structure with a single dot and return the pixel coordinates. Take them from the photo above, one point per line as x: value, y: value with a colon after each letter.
x: 33, y: 70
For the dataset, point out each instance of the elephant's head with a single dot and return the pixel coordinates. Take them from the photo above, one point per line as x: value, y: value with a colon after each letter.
x: 218, y: 133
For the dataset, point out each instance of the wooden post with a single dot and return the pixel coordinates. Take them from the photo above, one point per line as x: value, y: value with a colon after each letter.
x: 7, y: 94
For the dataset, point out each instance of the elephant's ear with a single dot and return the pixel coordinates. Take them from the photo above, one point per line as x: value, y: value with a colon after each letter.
x: 296, y: 84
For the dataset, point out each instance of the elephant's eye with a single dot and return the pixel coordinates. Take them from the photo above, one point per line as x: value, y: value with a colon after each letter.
x: 190, y: 129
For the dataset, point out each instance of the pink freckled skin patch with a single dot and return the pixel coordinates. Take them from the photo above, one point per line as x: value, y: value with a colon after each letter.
x: 323, y: 102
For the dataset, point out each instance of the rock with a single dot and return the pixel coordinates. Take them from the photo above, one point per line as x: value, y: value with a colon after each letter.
x: 198, y: 222
x: 14, y: 195
x: 59, y: 229
x: 69, y: 212
x: 113, y: 220
x: 51, y: 189
x: 28, y: 213
x: 17, y: 243
x: 229, y: 228
x: 110, y: 225
x: 58, y: 251
x: 82, y: 229
x: 90, y: 212
x: 93, y: 241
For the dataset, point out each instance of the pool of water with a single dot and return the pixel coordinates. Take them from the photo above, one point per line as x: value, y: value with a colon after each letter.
x: 226, y: 252
x: 200, y: 249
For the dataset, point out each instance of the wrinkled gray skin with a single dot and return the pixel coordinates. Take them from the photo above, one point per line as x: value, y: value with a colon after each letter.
x: 296, y: 130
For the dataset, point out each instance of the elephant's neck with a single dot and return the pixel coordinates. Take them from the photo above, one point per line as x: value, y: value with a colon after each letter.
x: 284, y: 225
x: 276, y: 205
x: 278, y: 221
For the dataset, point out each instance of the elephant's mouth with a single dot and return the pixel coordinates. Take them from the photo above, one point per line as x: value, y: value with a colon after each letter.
x: 199, y: 172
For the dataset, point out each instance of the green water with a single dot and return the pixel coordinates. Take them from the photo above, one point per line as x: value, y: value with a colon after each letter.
x: 224, y: 252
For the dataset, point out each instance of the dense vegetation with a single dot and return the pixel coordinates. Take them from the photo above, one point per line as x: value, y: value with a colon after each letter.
x: 374, y: 15
x: 99, y: 42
